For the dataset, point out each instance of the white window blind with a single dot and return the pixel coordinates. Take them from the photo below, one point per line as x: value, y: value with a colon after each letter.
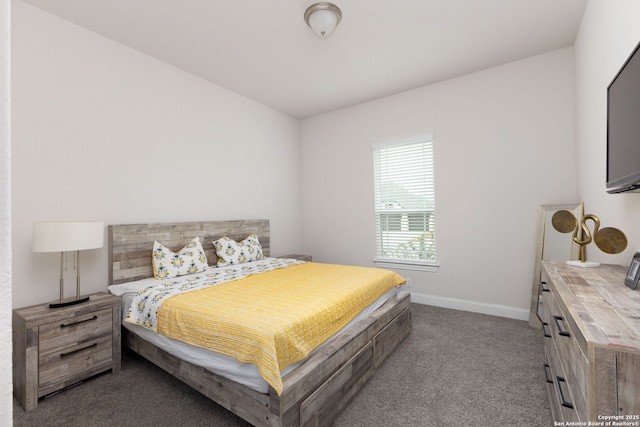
x: 405, y: 202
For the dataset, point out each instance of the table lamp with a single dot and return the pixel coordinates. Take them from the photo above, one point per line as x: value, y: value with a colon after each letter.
x: 65, y: 236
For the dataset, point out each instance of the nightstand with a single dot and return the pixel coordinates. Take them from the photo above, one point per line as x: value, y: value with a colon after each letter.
x: 54, y: 348
x: 297, y: 256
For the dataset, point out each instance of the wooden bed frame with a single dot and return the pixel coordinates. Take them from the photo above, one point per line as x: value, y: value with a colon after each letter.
x: 317, y: 390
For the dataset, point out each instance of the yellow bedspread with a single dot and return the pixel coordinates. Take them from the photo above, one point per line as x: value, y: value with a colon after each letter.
x: 275, y: 318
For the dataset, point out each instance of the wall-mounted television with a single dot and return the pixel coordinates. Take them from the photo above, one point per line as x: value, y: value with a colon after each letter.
x: 623, y: 127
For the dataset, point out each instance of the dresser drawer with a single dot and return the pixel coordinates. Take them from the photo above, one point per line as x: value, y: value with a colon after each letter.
x: 562, y: 385
x: 573, y: 362
x: 558, y: 383
x: 58, y: 336
x: 70, y: 365
x: 550, y: 383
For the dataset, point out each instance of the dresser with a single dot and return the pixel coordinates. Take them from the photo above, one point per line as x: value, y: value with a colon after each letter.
x: 591, y: 328
x: 54, y: 348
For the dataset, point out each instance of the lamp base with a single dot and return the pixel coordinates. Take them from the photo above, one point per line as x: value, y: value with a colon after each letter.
x: 68, y: 301
x: 586, y: 264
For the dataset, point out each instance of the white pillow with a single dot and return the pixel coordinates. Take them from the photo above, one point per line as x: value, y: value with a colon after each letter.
x: 231, y: 252
x: 190, y: 259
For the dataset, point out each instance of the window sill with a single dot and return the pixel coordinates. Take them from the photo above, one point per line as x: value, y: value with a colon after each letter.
x: 406, y: 265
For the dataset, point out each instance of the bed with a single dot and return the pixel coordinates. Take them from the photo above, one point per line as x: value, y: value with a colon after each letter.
x: 314, y: 390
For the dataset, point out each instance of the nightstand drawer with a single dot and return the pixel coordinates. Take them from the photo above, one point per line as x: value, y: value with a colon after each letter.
x: 74, y: 363
x: 58, y: 336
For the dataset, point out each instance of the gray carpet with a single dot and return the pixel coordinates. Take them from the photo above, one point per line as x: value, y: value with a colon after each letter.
x: 455, y: 369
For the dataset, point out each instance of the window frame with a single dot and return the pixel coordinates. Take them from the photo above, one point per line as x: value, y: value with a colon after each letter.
x: 404, y: 263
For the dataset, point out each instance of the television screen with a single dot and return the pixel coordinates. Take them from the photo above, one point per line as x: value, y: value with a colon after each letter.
x: 623, y: 127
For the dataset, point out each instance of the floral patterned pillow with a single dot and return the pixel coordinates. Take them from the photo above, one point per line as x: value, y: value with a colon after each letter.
x: 231, y: 252
x: 190, y: 259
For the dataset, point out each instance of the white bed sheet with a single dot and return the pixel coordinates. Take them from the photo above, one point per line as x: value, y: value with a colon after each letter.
x: 244, y: 373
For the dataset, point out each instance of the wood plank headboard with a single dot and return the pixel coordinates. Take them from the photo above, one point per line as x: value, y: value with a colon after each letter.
x: 131, y: 245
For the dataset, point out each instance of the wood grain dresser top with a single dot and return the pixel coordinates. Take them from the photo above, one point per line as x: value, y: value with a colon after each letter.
x: 609, y: 311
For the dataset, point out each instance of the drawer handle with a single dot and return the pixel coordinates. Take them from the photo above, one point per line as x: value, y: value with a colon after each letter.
x: 66, y: 325
x: 544, y: 330
x: 546, y: 377
x: 95, y: 344
x: 561, y: 331
x: 544, y: 287
x: 563, y: 401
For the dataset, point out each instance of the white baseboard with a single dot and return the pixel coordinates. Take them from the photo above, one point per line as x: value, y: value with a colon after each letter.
x: 473, y: 306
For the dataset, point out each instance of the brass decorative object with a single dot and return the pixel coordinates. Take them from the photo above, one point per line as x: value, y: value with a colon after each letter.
x: 609, y: 240
x: 564, y: 221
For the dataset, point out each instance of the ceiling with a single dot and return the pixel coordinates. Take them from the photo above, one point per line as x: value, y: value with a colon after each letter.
x: 263, y: 49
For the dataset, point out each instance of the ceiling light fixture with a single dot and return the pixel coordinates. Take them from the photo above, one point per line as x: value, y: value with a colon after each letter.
x: 323, y: 18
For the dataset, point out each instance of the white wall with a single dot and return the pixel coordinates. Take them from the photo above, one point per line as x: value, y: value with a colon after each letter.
x: 504, y: 143
x: 103, y: 132
x: 6, y: 402
x: 608, y: 34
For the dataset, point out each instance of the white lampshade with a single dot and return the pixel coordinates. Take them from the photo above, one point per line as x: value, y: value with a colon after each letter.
x: 323, y: 18
x: 62, y: 236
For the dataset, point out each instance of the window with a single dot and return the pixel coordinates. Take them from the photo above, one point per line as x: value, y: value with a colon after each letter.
x: 405, y: 204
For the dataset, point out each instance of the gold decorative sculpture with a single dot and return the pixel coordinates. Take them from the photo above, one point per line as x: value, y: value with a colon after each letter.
x: 609, y: 240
